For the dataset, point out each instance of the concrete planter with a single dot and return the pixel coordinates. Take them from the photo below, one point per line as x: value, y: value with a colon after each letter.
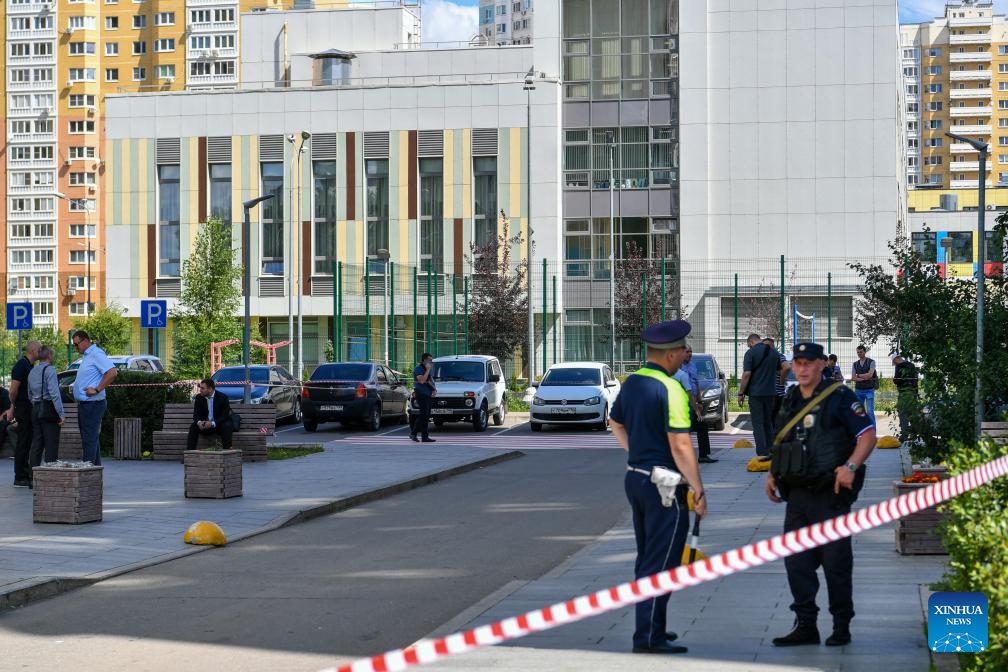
x: 214, y: 474
x: 917, y: 534
x: 67, y: 494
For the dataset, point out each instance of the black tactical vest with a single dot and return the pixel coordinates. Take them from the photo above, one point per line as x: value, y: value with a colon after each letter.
x: 826, y: 439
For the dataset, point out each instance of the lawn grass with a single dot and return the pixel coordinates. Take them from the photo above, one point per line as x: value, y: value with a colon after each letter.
x: 288, y: 452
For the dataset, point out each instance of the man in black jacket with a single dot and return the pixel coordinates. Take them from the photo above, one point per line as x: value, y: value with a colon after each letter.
x: 211, y: 415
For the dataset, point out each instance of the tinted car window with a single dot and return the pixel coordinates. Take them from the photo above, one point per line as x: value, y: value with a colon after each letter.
x: 459, y: 371
x: 704, y: 367
x: 381, y: 375
x: 571, y: 376
x: 342, y: 372
x: 142, y: 365
x: 237, y: 375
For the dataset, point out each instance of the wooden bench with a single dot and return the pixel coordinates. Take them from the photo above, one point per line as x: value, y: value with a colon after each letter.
x: 257, y: 423
x: 996, y: 430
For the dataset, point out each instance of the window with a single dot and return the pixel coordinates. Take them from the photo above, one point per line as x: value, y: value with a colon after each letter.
x: 1003, y: 50
x: 82, y: 230
x: 220, y: 192
x: 111, y: 23
x: 501, y: 28
x: 1002, y: 67
x: 164, y: 19
x: 223, y: 15
x: 994, y: 246
x: 111, y: 48
x: 80, y: 282
x: 165, y: 71
x: 74, y: 22
x: 82, y: 74
x: 82, y: 48
x: 139, y: 48
x: 273, y: 219
x: 78, y: 179
x: 139, y: 74
x: 82, y: 127
x: 165, y: 44
x: 431, y: 215
x: 932, y: 160
x: 913, y: 108
x: 935, y: 124
x: 81, y: 204
x: 325, y: 216
x: 485, y: 200
x: 200, y: 68
x: 224, y: 41
x: 934, y: 52
x: 199, y: 16
x: 42, y: 308
x: 1002, y: 158
x: 934, y: 70
x: 935, y: 142
x: 377, y: 206
x: 81, y: 308
x: 925, y: 245
x: 140, y: 21
x: 82, y: 256
x: 961, y: 251
x: 111, y: 74
x: 200, y: 42
x: 934, y: 88
x: 935, y: 106
x: 1003, y: 140
x: 169, y: 241
x: 910, y: 72
x: 224, y: 67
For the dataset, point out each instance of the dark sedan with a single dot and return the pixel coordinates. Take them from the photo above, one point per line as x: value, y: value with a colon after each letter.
x: 353, y: 392
x: 713, y: 391
x: 271, y: 384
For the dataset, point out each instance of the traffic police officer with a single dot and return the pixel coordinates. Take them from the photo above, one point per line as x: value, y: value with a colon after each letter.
x: 838, y: 436
x: 651, y: 420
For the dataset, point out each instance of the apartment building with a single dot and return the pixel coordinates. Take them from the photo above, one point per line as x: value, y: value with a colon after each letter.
x: 62, y: 58
x: 505, y: 22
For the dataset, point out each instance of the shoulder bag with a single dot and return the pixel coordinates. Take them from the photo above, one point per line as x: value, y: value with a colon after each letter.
x: 789, y: 459
x: 45, y: 409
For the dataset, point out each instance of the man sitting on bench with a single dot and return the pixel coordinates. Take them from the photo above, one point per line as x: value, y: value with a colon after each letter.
x: 211, y: 415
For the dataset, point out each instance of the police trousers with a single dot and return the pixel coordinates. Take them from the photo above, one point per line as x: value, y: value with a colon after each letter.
x: 804, y: 507
x: 661, y: 536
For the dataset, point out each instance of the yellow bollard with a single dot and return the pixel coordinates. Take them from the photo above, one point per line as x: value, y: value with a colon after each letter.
x: 685, y: 555
x: 758, y: 464
x: 743, y: 443
x: 888, y: 441
x: 205, y: 533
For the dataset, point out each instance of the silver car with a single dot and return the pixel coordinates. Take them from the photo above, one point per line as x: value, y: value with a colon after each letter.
x: 574, y: 393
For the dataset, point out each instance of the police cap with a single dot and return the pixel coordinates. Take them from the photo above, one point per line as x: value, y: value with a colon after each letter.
x: 666, y: 335
x: 808, y: 350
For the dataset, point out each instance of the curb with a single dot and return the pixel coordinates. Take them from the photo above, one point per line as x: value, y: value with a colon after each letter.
x: 46, y: 588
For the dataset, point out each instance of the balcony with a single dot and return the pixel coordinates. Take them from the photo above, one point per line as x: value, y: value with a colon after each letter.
x: 40, y: 241
x: 967, y: 184
x: 30, y: 294
x: 965, y: 166
x: 31, y: 267
x: 32, y: 163
x: 970, y: 21
x: 211, y: 80
x: 970, y: 57
x: 970, y: 111
x: 973, y: 38
x: 961, y: 148
x: 970, y: 75
x: 19, y: 190
x: 213, y: 26
x: 32, y: 137
x: 969, y: 93
x: 976, y: 129
x: 211, y: 3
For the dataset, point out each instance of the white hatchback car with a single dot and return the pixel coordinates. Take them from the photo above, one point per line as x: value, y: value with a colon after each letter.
x: 574, y: 393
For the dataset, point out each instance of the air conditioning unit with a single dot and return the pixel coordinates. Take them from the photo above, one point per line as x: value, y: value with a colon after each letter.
x: 214, y: 53
x: 70, y: 291
x: 68, y: 162
x: 990, y: 206
x: 90, y: 190
x: 91, y: 110
x: 69, y: 31
x: 169, y: 80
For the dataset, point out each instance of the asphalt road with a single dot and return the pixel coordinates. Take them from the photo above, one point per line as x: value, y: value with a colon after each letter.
x: 351, y: 584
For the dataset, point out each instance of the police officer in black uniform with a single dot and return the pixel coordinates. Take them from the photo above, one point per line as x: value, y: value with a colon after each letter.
x: 651, y: 420
x: 838, y: 436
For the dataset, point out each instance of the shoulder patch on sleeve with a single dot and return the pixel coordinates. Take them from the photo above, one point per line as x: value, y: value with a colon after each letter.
x: 858, y: 409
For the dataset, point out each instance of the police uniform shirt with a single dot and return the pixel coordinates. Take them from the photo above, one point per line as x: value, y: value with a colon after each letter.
x: 650, y: 409
x: 841, y: 408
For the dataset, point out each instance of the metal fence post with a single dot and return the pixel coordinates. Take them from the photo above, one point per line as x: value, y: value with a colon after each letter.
x: 735, y: 340
x: 338, y: 347
x: 556, y: 324
x: 427, y: 325
x: 465, y: 305
x: 829, y: 313
x: 545, y: 354
x: 367, y: 314
x: 782, y: 327
x: 663, y: 289
x: 437, y: 320
x: 454, y: 319
x: 391, y: 324
x: 416, y: 326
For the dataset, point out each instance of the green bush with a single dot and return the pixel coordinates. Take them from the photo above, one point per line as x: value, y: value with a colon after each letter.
x: 146, y: 403
x: 975, y: 537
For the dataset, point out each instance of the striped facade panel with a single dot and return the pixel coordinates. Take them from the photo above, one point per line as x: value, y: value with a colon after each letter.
x: 189, y: 195
x: 219, y: 149
x: 402, y: 229
x: 201, y: 180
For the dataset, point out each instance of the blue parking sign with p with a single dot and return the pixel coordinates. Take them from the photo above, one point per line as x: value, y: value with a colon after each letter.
x: 154, y: 314
x: 19, y: 316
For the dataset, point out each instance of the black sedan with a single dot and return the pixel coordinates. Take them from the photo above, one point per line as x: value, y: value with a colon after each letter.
x: 713, y: 391
x: 350, y: 392
x: 271, y: 384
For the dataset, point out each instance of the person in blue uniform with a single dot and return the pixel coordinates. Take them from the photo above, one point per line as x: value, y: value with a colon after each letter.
x: 838, y: 436
x: 651, y: 420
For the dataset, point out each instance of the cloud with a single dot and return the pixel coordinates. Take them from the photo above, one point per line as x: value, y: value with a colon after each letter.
x: 444, y: 21
x: 917, y: 11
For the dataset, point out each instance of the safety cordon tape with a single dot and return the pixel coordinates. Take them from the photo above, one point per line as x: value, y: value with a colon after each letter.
x: 720, y: 565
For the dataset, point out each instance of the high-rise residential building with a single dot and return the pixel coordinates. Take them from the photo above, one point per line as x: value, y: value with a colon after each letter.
x: 505, y: 22
x: 62, y: 57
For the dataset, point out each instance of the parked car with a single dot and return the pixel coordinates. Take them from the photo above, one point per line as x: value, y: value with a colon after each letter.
x: 574, y: 393
x: 271, y: 384
x: 148, y: 363
x: 470, y: 388
x: 353, y: 392
x: 713, y: 391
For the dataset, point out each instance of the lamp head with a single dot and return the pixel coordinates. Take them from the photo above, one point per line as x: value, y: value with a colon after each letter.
x: 305, y: 135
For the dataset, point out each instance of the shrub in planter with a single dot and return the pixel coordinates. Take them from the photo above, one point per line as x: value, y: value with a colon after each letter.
x: 975, y: 537
x: 146, y: 402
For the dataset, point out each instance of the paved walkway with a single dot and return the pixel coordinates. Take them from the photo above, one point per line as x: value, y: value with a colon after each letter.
x: 728, y: 623
x: 145, y: 511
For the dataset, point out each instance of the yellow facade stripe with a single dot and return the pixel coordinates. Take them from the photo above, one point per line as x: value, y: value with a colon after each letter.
x: 448, y: 171
x: 517, y: 217
x: 466, y: 173
x: 404, y: 181
x: 141, y: 194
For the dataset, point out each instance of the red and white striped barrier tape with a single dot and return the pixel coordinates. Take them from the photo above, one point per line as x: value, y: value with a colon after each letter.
x: 720, y: 565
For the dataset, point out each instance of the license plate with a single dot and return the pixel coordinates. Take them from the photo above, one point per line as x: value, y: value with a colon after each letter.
x: 330, y: 407
x: 562, y: 411
x: 440, y: 411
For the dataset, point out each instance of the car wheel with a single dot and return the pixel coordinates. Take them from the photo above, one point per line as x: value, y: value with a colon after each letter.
x: 535, y: 426
x: 480, y: 418
x: 310, y: 425
x: 374, y: 421
x: 719, y: 424
x: 296, y: 417
x: 501, y: 412
x: 603, y: 424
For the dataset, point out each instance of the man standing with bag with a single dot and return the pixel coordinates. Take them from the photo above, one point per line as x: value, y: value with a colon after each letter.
x: 759, y: 381
x: 865, y: 381
x: 651, y: 420
x: 424, y: 391
x: 20, y: 412
x: 823, y: 440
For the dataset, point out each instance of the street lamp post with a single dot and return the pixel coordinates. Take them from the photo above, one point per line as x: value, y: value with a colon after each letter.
x: 529, y: 87
x: 82, y: 202
x: 383, y: 254
x: 247, y: 290
x: 300, y: 290
x: 983, y: 148
x: 611, y: 142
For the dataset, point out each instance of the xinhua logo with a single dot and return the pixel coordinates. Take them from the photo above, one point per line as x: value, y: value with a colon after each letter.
x: 957, y: 622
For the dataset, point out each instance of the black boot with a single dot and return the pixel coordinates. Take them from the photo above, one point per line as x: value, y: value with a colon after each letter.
x: 840, y: 636
x: 804, y: 632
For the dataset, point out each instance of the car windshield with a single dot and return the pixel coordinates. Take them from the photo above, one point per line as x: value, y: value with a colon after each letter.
x: 459, y: 371
x: 237, y: 375
x: 342, y: 372
x: 569, y: 376
x: 704, y: 367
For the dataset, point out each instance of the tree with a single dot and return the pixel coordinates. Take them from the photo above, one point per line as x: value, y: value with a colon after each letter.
x: 109, y: 327
x: 498, y: 299
x: 930, y: 319
x: 209, y: 302
x: 638, y: 292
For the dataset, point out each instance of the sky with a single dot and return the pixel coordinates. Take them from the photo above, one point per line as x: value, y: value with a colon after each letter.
x: 447, y: 21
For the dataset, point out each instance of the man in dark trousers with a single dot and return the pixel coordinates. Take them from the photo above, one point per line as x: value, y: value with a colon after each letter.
x: 424, y: 390
x: 651, y: 420
x: 906, y: 378
x: 836, y: 436
x: 759, y: 381
x: 20, y: 412
x: 211, y: 415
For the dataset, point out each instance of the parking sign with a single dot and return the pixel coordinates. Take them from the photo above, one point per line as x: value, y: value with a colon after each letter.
x: 19, y: 316
x: 154, y: 314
